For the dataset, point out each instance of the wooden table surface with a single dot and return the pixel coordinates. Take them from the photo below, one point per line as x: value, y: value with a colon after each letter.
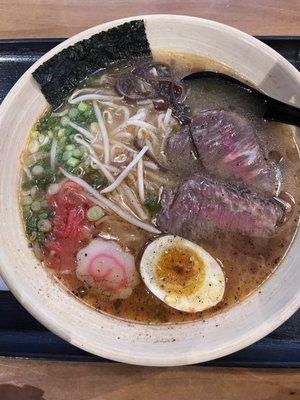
x: 37, y: 380
x: 63, y: 18
x: 40, y: 380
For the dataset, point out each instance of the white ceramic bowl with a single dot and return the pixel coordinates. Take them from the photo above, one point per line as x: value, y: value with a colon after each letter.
x: 98, y: 333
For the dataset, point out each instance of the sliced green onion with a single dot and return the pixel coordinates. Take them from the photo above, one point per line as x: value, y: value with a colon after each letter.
x: 62, y: 139
x: 34, y: 134
x: 32, y: 236
x: 44, y: 225
x: 44, y: 203
x: 73, y: 112
x: 40, y: 237
x: 33, y: 146
x: 64, y: 121
x: 73, y: 162
x: 27, y: 200
x: 42, y: 215
x: 94, y: 128
x: 33, y: 191
x: 36, y: 205
x: 82, y: 106
x: 41, y: 138
x: 70, y: 147
x: 76, y: 153
x: 37, y: 170
x: 66, y: 155
x: 61, y: 133
x: 94, y: 213
x: 53, y: 188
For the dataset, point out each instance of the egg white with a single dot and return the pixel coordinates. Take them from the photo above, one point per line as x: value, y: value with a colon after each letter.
x: 211, y: 290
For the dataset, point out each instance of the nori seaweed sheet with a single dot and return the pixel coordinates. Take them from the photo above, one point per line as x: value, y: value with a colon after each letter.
x: 62, y: 73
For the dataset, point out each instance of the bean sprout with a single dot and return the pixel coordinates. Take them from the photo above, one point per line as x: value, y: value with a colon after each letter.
x: 134, y: 203
x: 125, y: 172
x: 147, y: 133
x: 124, y: 146
x: 149, y: 144
x: 167, y: 117
x: 137, y: 120
x: 151, y: 165
x: 120, y: 159
x: 45, y: 140
x: 93, y: 96
x: 123, y: 135
x: 103, y: 132
x: 107, y: 116
x: 145, y: 102
x: 83, y: 131
x: 140, y: 174
x: 160, y: 121
x: 98, y: 146
x: 79, y: 139
x: 109, y: 104
x: 112, y: 168
x: 83, y: 90
x: 151, y: 186
x: 137, y: 123
x: 27, y: 172
x: 104, y: 202
x: 103, y: 169
x: 141, y: 114
x: 125, y: 111
x: 53, y: 153
x: 62, y: 113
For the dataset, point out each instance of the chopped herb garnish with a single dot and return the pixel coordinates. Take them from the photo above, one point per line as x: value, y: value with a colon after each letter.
x: 40, y: 237
x: 45, y: 148
x: 69, y: 130
x: 42, y: 182
x: 30, y: 221
x: 28, y: 184
x: 151, y: 202
x: 96, y: 180
x: 160, y: 314
x: 42, y: 215
x: 84, y: 116
x: 49, y: 123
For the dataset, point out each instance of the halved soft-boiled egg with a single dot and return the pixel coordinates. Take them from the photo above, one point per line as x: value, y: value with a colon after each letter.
x: 182, y: 274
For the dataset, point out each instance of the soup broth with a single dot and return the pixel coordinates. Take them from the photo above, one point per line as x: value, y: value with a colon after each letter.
x: 246, y: 261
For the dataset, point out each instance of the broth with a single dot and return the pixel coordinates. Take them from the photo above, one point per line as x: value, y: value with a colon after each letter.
x: 246, y: 262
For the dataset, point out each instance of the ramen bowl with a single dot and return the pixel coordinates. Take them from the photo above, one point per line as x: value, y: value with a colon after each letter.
x: 100, y: 333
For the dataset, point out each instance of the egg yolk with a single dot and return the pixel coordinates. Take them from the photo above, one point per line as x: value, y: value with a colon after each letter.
x: 179, y: 271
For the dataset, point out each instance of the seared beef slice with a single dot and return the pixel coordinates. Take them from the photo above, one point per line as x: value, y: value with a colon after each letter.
x: 180, y: 153
x: 229, y: 150
x: 202, y: 206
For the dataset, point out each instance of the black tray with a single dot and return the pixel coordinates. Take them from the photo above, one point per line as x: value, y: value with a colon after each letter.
x: 22, y: 336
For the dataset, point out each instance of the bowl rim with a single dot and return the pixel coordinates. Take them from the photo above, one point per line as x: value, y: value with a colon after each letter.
x: 241, y: 340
